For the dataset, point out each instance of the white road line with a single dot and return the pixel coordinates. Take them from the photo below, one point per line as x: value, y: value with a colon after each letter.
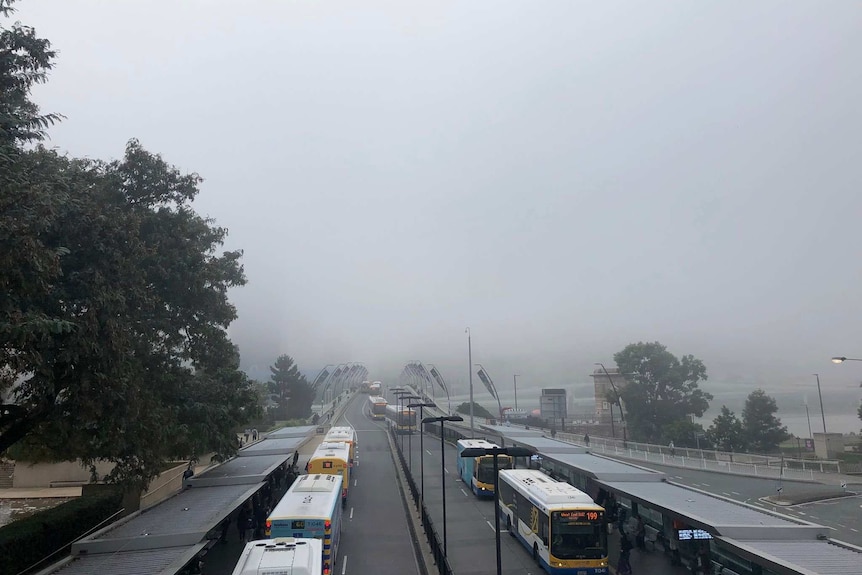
x: 801, y: 512
x: 344, y: 566
x: 735, y: 492
x: 706, y: 484
x: 814, y: 517
x: 841, y: 525
x: 856, y: 530
x: 351, y: 513
x: 677, y: 477
x: 446, y: 470
x: 491, y: 526
x: 428, y: 452
x: 464, y: 492
x: 725, y: 493
x: 355, y: 481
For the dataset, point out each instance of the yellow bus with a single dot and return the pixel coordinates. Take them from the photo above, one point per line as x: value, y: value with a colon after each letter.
x: 345, y: 434
x: 377, y: 407
x: 332, y: 459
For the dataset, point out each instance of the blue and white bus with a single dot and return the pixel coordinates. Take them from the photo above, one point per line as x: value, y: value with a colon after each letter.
x: 478, y: 472
x: 310, y: 509
x: 560, y: 525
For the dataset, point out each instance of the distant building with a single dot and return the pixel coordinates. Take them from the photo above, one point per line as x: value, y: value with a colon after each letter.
x: 602, y: 385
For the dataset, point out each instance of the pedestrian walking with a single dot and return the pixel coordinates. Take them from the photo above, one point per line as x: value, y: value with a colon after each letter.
x: 246, y: 433
x: 624, y: 566
x: 587, y: 439
x: 672, y: 449
x: 242, y: 521
x: 254, y: 434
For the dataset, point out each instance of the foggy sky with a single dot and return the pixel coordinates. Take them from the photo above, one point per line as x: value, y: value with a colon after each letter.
x: 563, y: 177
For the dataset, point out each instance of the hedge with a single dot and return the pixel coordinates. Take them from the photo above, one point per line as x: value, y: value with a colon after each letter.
x: 25, y: 542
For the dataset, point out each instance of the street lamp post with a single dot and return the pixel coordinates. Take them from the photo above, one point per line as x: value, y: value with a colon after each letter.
x: 495, y: 452
x: 421, y: 448
x: 515, y: 379
x: 822, y: 413
x: 619, y: 403
x: 410, y: 436
x: 442, y: 420
x: 808, y: 417
x: 470, y: 371
x: 399, y: 418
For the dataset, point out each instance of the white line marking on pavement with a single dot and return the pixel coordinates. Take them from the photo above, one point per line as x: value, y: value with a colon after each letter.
x: 677, y: 477
x: 735, y: 492
x: 840, y: 525
x: 446, y: 470
x: 814, y: 517
x: 706, y: 484
x: 351, y: 513
x: 428, y: 452
x: 856, y: 530
x: 725, y: 493
x: 492, y: 528
x: 344, y: 566
x: 802, y: 513
x: 354, y: 482
x: 464, y: 492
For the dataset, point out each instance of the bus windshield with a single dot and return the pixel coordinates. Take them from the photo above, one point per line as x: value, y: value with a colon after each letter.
x: 485, y: 472
x: 578, y: 534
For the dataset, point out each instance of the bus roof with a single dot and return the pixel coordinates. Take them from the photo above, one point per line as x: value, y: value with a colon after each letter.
x: 283, y: 555
x: 476, y: 443
x: 332, y: 450
x: 544, y: 490
x: 341, y: 434
x: 377, y: 399
x: 310, y: 497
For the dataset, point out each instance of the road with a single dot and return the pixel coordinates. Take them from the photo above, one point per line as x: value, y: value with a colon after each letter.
x: 375, y: 534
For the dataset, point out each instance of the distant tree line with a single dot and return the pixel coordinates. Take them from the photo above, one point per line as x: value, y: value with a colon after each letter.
x: 663, y: 395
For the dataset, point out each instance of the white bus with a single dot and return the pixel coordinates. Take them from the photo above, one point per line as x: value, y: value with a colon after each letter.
x: 311, y: 509
x: 346, y: 435
x: 333, y: 459
x: 560, y: 525
x: 286, y: 556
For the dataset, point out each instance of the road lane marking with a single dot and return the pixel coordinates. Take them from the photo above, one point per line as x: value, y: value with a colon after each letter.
x: 464, y: 492
x: 725, y: 493
x: 706, y: 484
x: 492, y: 528
x: 351, y: 513
x: 344, y: 566
x: 446, y: 470
x: 735, y: 492
x: 428, y: 452
x: 856, y: 530
x: 841, y: 525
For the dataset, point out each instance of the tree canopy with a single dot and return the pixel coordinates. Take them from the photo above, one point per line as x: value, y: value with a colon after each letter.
x: 763, y: 430
x: 113, y: 341
x: 294, y: 393
x: 726, y: 432
x: 661, y: 389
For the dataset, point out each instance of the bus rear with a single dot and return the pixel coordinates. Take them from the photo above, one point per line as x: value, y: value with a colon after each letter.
x: 332, y: 459
x: 310, y: 510
x: 377, y: 407
x: 344, y: 434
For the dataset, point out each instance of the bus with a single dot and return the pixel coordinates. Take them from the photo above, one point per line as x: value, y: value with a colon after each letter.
x: 376, y: 388
x: 365, y: 387
x: 402, y: 421
x: 346, y: 435
x: 377, y: 407
x: 478, y: 472
x: 333, y: 459
x: 560, y: 525
x: 310, y: 509
x: 282, y: 555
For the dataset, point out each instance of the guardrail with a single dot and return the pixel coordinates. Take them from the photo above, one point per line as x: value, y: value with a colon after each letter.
x: 440, y: 559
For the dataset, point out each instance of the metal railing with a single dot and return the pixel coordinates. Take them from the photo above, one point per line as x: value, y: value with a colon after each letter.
x: 440, y: 559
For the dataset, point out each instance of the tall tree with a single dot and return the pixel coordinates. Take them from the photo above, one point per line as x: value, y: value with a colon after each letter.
x: 295, y: 394
x: 763, y: 430
x: 726, y: 432
x: 661, y: 389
